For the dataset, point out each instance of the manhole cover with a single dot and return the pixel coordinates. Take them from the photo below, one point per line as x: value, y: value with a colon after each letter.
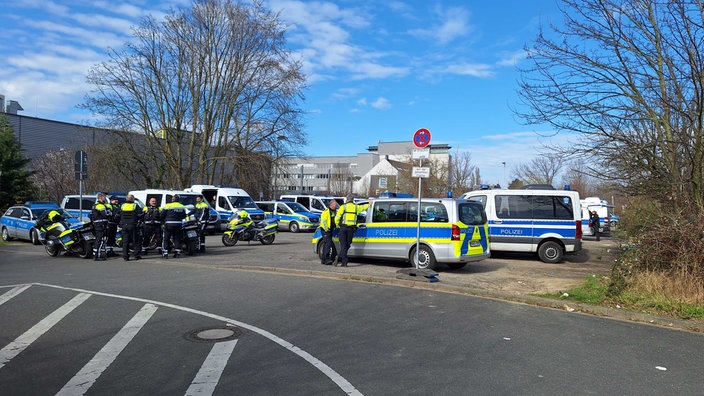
x: 214, y: 334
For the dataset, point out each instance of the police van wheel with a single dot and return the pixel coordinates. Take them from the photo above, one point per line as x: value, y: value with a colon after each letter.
x: 34, y: 237
x: 550, y: 252
x: 293, y: 227
x: 426, y: 259
x: 6, y: 235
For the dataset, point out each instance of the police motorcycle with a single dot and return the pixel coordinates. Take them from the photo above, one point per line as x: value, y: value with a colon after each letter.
x: 241, y: 228
x: 190, y: 238
x: 58, y: 235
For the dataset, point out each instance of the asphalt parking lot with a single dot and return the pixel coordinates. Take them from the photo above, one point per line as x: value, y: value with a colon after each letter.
x: 518, y: 274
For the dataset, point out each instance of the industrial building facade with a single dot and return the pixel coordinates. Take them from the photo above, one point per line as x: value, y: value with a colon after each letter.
x: 362, y: 174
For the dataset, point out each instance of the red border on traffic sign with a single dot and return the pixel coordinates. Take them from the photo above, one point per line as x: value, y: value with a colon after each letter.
x: 421, y: 138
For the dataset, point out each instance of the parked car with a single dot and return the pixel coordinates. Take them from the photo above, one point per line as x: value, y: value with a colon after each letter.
x: 291, y: 216
x: 20, y: 221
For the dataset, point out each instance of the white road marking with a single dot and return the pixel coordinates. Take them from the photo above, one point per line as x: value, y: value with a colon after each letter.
x: 13, y: 292
x: 86, y: 377
x: 210, y: 371
x: 20, y: 343
x: 341, y: 382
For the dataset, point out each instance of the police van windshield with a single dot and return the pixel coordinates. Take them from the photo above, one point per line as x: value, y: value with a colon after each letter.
x: 296, y: 207
x: 241, y: 201
x: 187, y: 199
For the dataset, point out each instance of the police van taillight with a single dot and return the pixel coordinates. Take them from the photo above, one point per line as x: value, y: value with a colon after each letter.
x: 579, y: 230
x: 455, y: 233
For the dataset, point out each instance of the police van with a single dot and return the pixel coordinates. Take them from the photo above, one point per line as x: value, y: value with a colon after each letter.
x: 291, y: 216
x: 81, y: 205
x: 602, y: 207
x: 186, y: 198
x: 546, y: 222
x: 453, y: 232
x: 227, y: 201
x: 314, y: 203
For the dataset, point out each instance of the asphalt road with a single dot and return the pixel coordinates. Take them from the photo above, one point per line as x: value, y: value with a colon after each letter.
x: 270, y: 320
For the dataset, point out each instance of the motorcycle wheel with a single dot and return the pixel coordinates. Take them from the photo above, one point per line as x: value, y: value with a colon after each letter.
x: 229, y: 240
x: 268, y: 240
x: 84, y: 250
x: 191, y: 247
x: 51, y: 251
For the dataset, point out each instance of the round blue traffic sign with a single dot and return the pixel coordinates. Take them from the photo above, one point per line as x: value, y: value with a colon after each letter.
x: 421, y: 138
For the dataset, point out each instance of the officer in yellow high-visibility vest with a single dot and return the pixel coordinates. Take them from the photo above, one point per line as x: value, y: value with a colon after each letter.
x: 346, y: 219
x: 327, y: 225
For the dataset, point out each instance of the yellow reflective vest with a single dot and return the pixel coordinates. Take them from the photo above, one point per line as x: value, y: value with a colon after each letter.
x: 347, y: 214
x: 327, y: 219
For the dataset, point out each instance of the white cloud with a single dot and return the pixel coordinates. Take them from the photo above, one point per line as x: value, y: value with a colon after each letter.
x: 512, y: 59
x: 471, y: 69
x: 381, y: 104
x: 452, y: 24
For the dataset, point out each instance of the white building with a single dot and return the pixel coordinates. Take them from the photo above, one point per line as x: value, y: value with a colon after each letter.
x: 372, y: 172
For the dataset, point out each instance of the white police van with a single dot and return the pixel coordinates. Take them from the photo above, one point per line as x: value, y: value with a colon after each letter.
x: 546, y: 222
x: 602, y: 207
x: 81, y: 205
x: 453, y: 232
x: 228, y: 201
x: 313, y: 203
x: 186, y: 198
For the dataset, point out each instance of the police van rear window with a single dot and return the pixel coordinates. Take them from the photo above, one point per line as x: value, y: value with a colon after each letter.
x: 471, y: 213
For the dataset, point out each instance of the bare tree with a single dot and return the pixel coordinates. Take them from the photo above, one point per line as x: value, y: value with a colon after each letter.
x: 540, y: 170
x: 53, y: 174
x: 628, y: 77
x: 464, y: 175
x: 204, y: 95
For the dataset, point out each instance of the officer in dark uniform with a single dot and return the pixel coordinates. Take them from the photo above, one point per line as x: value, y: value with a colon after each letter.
x: 172, y: 217
x: 99, y: 215
x: 129, y: 216
x: 114, y: 206
x: 152, y: 224
x: 202, y: 213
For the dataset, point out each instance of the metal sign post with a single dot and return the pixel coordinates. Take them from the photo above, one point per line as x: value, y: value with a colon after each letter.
x: 421, y: 139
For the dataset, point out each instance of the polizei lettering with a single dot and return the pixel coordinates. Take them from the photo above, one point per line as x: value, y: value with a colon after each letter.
x: 386, y: 233
x: 505, y: 231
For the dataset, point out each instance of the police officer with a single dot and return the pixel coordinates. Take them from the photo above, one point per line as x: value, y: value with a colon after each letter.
x: 99, y: 215
x: 114, y: 206
x: 172, y: 217
x: 202, y: 212
x: 595, y: 224
x: 152, y: 224
x: 129, y: 216
x: 346, y: 219
x: 327, y: 225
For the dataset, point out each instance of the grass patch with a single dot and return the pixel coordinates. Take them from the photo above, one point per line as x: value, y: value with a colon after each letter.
x: 679, y: 296
x: 592, y: 291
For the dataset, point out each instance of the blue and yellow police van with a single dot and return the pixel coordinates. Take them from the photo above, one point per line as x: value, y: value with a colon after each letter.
x: 452, y: 232
x: 291, y: 216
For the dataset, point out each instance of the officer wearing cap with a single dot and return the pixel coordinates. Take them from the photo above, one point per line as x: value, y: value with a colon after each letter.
x: 346, y: 219
x: 172, y: 217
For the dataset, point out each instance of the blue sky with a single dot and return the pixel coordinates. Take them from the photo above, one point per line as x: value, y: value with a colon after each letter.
x: 377, y: 70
